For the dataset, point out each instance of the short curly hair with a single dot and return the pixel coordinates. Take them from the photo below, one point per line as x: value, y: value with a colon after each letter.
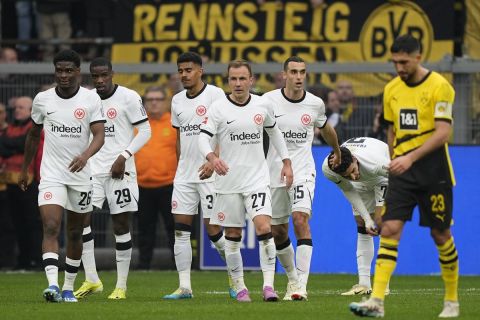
x: 67, y: 55
x: 346, y: 158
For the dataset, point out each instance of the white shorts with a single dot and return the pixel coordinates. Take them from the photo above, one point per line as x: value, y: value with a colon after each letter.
x: 186, y: 197
x: 372, y: 198
x: 299, y: 198
x: 121, y: 194
x: 232, y: 209
x: 76, y: 198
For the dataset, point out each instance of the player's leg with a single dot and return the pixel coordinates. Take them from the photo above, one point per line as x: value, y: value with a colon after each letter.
x: 52, y: 198
x: 259, y: 207
x: 123, y: 252
x: 185, y: 200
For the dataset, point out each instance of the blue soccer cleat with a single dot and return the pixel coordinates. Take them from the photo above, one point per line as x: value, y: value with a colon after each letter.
x: 231, y: 288
x: 52, y: 294
x: 180, y: 293
x: 68, y: 296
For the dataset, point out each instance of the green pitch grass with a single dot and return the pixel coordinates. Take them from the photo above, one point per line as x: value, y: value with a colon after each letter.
x: 411, y: 298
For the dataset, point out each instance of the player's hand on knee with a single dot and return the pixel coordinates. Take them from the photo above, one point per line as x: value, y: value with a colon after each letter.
x: 371, y: 227
x: 78, y: 163
x: 205, y: 171
x: 118, y: 168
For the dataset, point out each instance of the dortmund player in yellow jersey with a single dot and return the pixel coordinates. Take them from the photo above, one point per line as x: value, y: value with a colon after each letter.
x: 418, y: 107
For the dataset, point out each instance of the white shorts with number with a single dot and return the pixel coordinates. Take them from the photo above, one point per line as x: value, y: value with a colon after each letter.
x: 121, y: 194
x: 299, y: 198
x: 372, y: 198
x: 76, y: 198
x: 231, y: 210
x: 187, y: 196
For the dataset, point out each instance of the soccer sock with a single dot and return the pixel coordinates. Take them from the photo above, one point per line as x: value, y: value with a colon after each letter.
x: 303, y: 258
x: 267, y: 258
x: 449, y: 265
x: 88, y: 256
x: 218, y: 241
x: 183, y: 254
x: 386, y: 263
x: 234, y: 261
x: 50, y: 263
x: 71, y: 270
x: 364, y: 256
x: 286, y: 256
x: 123, y: 252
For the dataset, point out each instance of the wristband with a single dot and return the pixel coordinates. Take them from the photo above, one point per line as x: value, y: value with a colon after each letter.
x: 125, y: 154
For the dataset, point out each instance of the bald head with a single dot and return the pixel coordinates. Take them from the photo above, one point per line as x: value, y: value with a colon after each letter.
x: 8, y: 55
x: 23, y: 108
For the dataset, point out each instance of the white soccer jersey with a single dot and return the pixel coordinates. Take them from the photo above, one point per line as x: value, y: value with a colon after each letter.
x: 123, y: 110
x: 239, y: 132
x: 297, y: 121
x: 187, y: 115
x: 66, y: 123
x: 373, y: 160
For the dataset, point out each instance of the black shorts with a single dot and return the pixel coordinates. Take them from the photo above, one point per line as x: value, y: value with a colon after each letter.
x: 435, y: 201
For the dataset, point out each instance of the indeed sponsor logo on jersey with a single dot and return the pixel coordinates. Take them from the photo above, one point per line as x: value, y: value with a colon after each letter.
x: 110, y: 131
x: 190, y: 129
x: 63, y: 129
x: 294, y: 135
x: 246, y: 138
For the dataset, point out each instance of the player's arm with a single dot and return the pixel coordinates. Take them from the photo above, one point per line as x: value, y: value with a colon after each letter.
x: 31, y: 146
x: 278, y: 142
x: 98, y: 132
x: 356, y: 201
x: 144, y: 132
x: 390, y: 139
x: 206, y: 170
x: 178, y: 146
x: 218, y: 164
x: 330, y: 136
x: 439, y: 138
x: 377, y: 217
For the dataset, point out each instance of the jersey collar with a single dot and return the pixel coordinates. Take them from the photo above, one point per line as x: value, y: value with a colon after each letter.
x: 291, y: 100
x: 198, y: 93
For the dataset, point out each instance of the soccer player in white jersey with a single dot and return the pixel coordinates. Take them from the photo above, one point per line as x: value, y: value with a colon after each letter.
x: 237, y: 122
x: 297, y: 113
x: 114, y: 174
x: 362, y: 177
x: 68, y: 114
x: 193, y: 183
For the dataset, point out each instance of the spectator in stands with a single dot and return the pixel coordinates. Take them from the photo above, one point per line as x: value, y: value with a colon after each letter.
x: 174, y: 84
x: 7, y: 236
x: 25, y: 22
x: 357, y: 118
x: 155, y: 177
x: 332, y: 111
x: 379, y: 127
x: 22, y: 206
x: 99, y: 23
x: 53, y: 23
x: 278, y: 80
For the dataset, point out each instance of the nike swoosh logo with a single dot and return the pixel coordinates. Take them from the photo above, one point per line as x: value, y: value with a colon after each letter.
x: 258, y: 209
x: 49, y: 113
x: 123, y: 206
x: 279, y: 116
x: 295, y: 202
x: 178, y: 114
x: 228, y: 122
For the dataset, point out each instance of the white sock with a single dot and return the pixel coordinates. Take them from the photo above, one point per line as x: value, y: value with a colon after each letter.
x: 50, y: 261
x: 267, y: 258
x: 303, y: 259
x: 183, y: 257
x: 71, y: 270
x: 219, y: 243
x: 234, y: 261
x: 123, y: 252
x: 365, y: 252
x: 286, y: 256
x: 88, y: 256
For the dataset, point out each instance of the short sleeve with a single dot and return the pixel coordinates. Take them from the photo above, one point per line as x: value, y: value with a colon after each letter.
x: 96, y: 109
x: 212, y: 118
x: 269, y: 113
x: 37, y: 110
x: 321, y: 119
x: 443, y: 99
x: 174, y: 118
x: 136, y: 113
x: 387, y: 110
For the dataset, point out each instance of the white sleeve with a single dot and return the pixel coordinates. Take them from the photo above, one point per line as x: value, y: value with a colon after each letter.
x: 208, y: 129
x: 37, y: 114
x: 321, y: 120
x: 142, y: 137
x: 276, y: 138
x: 97, y: 109
x: 174, y: 118
x: 136, y: 113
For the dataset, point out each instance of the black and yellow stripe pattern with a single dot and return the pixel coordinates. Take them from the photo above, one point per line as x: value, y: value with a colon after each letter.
x: 386, y: 263
x: 448, y: 257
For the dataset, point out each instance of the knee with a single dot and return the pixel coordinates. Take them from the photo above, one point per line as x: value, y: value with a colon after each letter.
x: 51, y: 229
x: 279, y: 234
x: 300, y: 221
x: 263, y: 229
x: 74, y: 235
x: 440, y: 236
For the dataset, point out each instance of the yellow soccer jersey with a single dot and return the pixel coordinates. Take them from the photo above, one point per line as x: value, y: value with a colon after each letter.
x: 412, y: 110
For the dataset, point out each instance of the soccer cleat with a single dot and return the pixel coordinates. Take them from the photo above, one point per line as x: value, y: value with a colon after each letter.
x: 87, y: 288
x: 243, y: 296
x: 67, y: 296
x: 357, y: 289
x: 52, y: 294
x: 387, y: 291
x: 372, y: 308
x: 118, y: 294
x: 231, y: 288
x: 180, y: 293
x: 269, y: 295
x: 451, y: 309
x: 295, y: 292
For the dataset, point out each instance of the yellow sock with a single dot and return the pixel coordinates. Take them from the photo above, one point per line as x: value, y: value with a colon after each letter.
x: 386, y: 263
x: 449, y: 265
